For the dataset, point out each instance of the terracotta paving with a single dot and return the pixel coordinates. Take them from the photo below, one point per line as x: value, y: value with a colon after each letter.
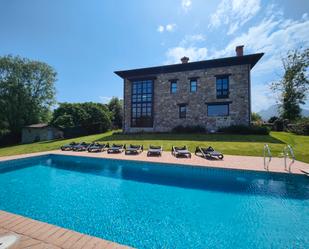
x: 40, y: 235
x: 229, y: 161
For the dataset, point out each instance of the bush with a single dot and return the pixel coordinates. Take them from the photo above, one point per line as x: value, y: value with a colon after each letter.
x: 189, y: 129
x: 243, y: 129
x: 301, y: 127
x: 278, y: 125
x: 272, y: 119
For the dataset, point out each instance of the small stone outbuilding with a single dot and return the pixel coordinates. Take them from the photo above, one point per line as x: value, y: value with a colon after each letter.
x: 40, y: 132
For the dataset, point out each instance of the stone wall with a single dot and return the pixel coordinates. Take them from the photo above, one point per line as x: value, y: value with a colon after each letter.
x: 165, y: 105
x: 30, y: 135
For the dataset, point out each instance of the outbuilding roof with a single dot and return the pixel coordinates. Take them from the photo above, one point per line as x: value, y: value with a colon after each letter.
x: 41, y: 125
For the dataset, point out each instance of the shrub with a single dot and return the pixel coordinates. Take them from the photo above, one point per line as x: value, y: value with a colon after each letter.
x: 189, y: 129
x: 301, y: 127
x: 243, y: 129
x: 272, y: 119
x: 280, y: 124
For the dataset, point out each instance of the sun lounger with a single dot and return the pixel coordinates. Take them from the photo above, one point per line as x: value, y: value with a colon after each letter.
x: 68, y: 147
x: 208, y: 153
x: 154, y: 151
x: 181, y: 151
x: 97, y: 147
x: 82, y: 146
x: 116, y: 148
x: 134, y: 149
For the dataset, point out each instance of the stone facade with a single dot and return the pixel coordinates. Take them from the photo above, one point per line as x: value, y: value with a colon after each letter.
x: 166, y: 104
x: 33, y: 133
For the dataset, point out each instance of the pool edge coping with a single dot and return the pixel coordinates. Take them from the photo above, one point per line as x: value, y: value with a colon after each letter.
x: 167, y: 163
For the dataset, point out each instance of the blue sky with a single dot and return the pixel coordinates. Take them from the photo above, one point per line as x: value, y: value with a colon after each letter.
x: 86, y: 41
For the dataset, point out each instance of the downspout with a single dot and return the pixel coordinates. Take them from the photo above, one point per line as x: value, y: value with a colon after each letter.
x: 249, y: 93
x: 124, y: 106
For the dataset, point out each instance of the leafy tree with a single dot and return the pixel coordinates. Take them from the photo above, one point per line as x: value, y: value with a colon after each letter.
x: 89, y: 117
x: 27, y: 92
x: 294, y: 85
x: 115, y: 106
x: 255, y: 117
x: 272, y: 119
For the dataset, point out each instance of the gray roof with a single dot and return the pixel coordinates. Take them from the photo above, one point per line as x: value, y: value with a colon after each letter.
x: 42, y: 125
x: 250, y: 59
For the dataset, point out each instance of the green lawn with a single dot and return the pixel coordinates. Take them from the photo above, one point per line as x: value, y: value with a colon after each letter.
x: 250, y: 145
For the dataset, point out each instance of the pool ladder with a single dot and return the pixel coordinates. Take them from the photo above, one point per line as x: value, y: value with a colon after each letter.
x: 288, y: 153
x: 267, y: 153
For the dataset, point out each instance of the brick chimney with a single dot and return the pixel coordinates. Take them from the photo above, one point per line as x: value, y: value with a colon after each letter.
x: 239, y: 50
x: 184, y: 60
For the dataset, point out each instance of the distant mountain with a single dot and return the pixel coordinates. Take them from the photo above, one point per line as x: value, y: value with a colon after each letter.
x: 273, y: 111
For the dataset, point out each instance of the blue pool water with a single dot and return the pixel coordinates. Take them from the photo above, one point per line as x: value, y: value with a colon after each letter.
x: 147, y: 205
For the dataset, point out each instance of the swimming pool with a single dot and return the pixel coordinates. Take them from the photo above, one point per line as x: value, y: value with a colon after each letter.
x: 152, y: 205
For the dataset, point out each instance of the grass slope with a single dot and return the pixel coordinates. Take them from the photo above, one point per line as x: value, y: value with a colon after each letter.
x: 250, y: 145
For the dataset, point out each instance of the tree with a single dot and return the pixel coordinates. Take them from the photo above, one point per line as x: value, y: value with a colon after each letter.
x: 272, y: 119
x: 294, y: 85
x: 116, y: 109
x: 255, y: 117
x: 27, y: 92
x: 89, y: 118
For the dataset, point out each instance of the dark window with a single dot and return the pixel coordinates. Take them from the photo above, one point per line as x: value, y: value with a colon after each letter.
x: 142, y: 96
x: 193, y: 85
x: 173, y: 86
x: 218, y: 109
x: 182, y: 111
x: 222, y: 86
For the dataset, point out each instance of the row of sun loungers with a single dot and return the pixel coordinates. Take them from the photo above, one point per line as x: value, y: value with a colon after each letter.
x: 137, y: 149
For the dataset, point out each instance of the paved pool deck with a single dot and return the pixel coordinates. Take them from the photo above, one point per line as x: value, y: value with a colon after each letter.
x: 39, y: 235
x: 33, y: 234
x: 230, y: 161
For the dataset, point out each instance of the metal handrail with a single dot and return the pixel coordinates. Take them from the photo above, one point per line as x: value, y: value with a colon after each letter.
x: 288, y: 152
x: 266, y: 150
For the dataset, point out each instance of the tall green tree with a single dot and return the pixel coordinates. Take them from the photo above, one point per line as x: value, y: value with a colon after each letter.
x: 89, y: 118
x: 27, y: 91
x: 115, y: 106
x: 294, y: 85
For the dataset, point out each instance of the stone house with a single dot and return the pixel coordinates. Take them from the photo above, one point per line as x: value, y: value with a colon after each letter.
x: 40, y: 132
x: 210, y: 93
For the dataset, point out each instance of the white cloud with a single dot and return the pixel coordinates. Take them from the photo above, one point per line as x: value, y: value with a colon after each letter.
x: 262, y: 97
x: 191, y: 40
x: 234, y: 13
x: 186, y: 4
x: 168, y: 28
x: 160, y: 28
x: 105, y: 99
x: 195, y: 54
x: 187, y: 47
x: 269, y: 36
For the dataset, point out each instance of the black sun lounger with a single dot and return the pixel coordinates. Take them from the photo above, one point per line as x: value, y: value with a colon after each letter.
x: 134, y: 149
x: 181, y: 151
x: 208, y: 153
x: 154, y: 150
x: 97, y: 147
x: 81, y: 147
x: 116, y: 148
x: 68, y: 147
